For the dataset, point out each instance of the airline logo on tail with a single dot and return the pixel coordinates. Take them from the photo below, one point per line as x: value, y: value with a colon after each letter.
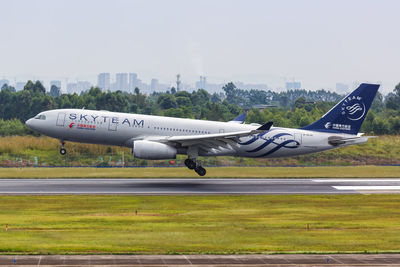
x: 353, y: 108
x: 337, y: 126
x: 328, y: 125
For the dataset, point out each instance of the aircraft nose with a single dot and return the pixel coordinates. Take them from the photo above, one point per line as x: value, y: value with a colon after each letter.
x: 29, y: 123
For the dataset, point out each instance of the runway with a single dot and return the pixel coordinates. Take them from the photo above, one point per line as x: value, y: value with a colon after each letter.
x: 203, y: 260
x: 199, y: 186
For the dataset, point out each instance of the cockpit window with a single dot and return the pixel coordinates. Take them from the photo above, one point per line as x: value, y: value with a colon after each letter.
x: 40, y: 117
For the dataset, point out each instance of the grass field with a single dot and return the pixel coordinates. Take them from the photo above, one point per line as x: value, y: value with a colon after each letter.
x: 44, y: 151
x: 215, y: 172
x: 199, y: 224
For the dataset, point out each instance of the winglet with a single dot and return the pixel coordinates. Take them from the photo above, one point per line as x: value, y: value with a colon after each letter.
x: 265, y: 127
x: 239, y: 119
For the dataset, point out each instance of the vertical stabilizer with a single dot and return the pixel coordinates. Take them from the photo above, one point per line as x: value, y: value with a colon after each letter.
x: 348, y: 115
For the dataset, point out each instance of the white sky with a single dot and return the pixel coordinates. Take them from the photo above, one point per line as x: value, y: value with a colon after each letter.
x: 317, y: 42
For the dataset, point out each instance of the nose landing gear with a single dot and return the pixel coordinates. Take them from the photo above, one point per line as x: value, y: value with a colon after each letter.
x: 63, y: 151
x: 193, y: 165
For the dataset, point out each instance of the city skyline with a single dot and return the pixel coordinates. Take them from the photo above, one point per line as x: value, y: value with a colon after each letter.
x: 124, y: 81
x: 129, y: 81
x: 319, y: 43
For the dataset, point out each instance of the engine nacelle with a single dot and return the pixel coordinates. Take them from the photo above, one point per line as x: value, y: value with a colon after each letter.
x: 153, y: 150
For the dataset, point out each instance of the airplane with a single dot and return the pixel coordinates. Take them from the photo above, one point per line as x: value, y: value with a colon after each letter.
x: 157, y: 137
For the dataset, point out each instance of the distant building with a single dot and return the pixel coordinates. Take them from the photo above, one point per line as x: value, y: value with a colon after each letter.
x: 139, y: 83
x: 178, y: 82
x: 103, y: 81
x: 121, y: 81
x: 202, y: 84
x: 133, y: 81
x: 293, y: 85
x: 342, y: 88
x: 142, y: 86
x: 154, y: 85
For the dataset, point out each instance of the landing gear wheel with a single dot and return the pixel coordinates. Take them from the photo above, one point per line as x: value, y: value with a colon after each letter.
x: 190, y: 164
x: 200, y: 171
x: 63, y: 151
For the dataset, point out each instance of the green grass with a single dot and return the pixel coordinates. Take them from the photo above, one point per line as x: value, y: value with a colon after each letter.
x: 44, y: 151
x: 215, y: 172
x: 199, y: 224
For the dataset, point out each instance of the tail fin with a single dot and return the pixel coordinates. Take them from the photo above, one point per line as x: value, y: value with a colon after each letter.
x: 347, y: 115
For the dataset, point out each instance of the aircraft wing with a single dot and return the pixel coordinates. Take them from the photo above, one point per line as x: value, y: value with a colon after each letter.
x: 209, y: 141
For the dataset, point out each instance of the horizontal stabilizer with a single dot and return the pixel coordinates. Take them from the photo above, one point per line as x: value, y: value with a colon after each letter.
x: 338, y: 140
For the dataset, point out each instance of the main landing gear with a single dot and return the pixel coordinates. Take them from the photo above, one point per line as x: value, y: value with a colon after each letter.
x: 193, y: 165
x: 191, y: 161
x: 63, y: 151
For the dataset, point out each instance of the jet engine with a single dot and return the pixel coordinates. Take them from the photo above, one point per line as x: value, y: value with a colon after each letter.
x: 153, y: 150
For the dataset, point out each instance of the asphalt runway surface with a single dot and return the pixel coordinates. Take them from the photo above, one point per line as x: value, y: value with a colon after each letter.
x: 204, y: 260
x: 199, y: 186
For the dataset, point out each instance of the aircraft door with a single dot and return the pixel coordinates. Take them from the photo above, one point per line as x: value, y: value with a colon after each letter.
x: 113, y: 124
x: 60, y: 119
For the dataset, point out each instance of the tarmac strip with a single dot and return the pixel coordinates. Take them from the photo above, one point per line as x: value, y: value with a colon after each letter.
x: 198, y: 186
x: 204, y: 260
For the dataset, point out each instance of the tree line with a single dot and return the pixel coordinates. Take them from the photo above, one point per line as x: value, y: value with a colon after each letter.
x: 293, y: 108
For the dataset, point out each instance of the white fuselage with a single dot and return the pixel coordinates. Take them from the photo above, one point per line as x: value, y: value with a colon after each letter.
x: 122, y: 129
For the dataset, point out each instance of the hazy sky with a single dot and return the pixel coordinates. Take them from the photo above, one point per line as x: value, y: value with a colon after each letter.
x: 317, y: 42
